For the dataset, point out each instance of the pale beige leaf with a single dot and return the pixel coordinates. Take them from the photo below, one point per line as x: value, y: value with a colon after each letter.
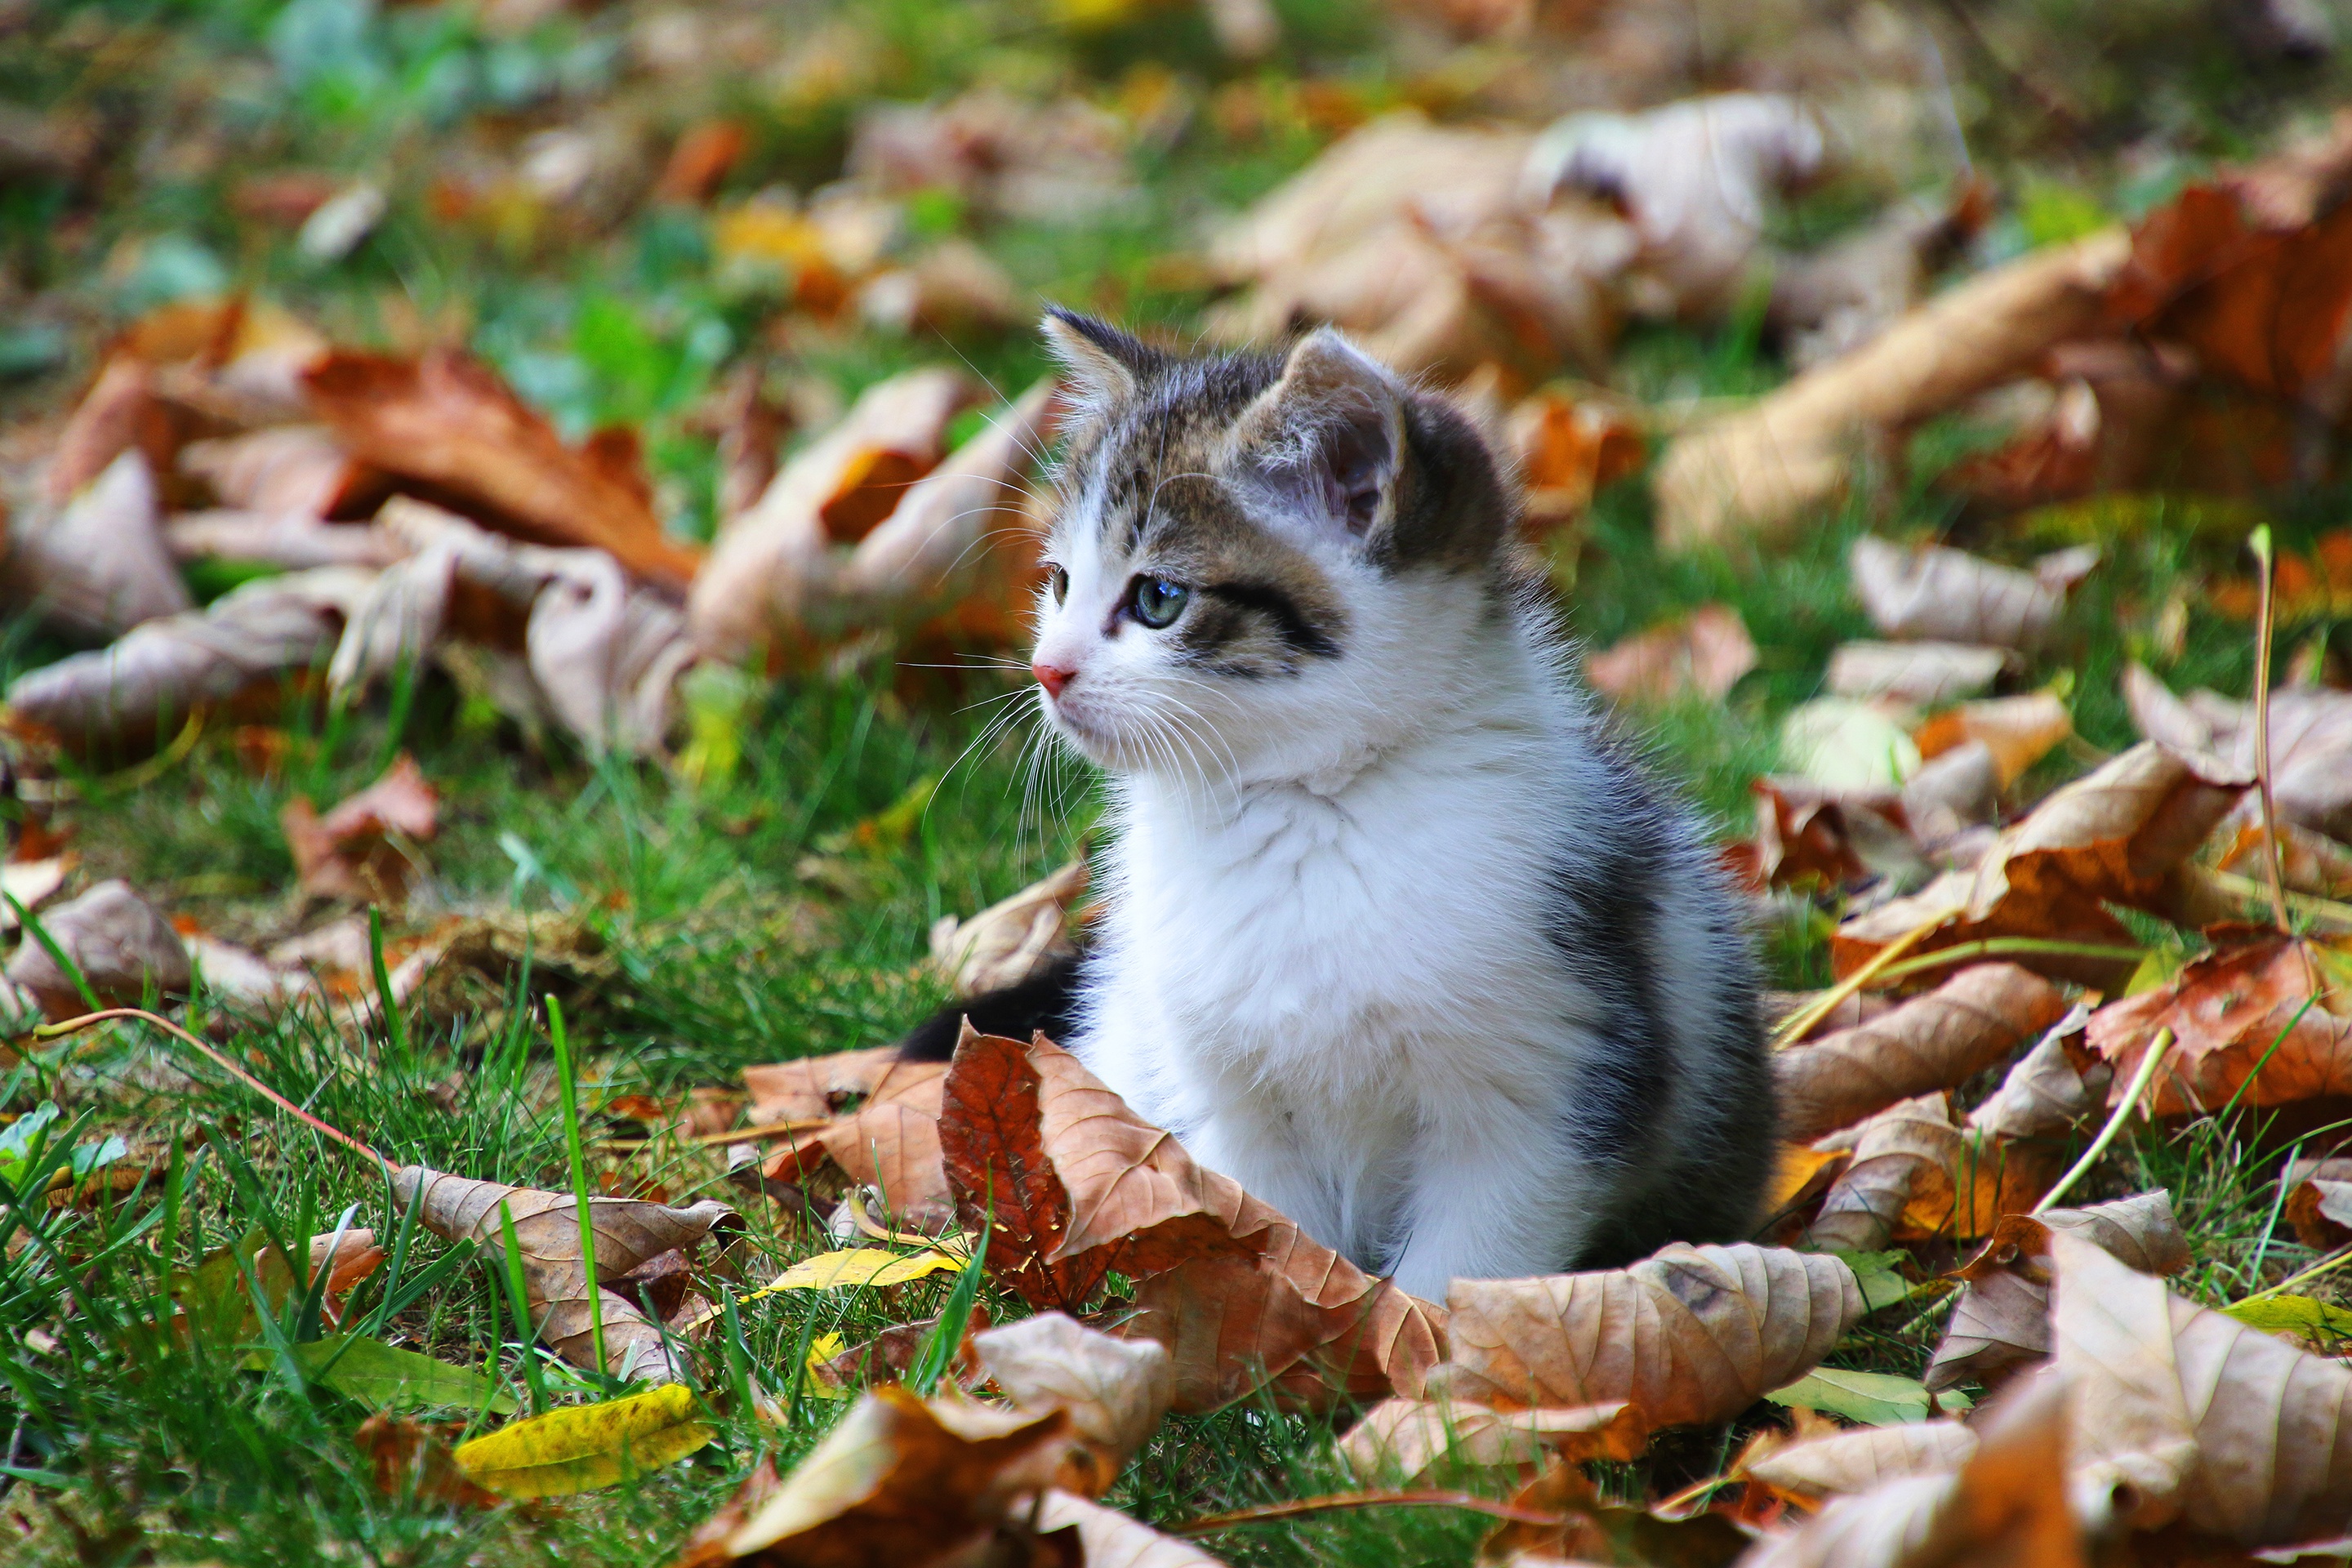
x: 1936, y: 593
x: 1900, y: 1156
x: 1702, y: 654
x: 1692, y: 1335
x: 2310, y: 740
x: 1011, y: 939
x: 1863, y: 1458
x: 1115, y: 1391
x: 126, y: 951
x: 2045, y: 1095
x: 97, y: 567
x: 813, y: 1087
x: 1400, y: 1441
x: 1927, y: 673
x: 2018, y: 731
x: 1109, y: 1539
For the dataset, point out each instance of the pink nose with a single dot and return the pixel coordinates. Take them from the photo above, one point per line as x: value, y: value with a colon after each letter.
x: 1052, y: 678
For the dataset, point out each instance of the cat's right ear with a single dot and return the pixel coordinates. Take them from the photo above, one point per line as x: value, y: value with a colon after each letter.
x: 1102, y: 366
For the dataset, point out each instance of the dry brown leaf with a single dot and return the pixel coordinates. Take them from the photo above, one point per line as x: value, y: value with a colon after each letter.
x: 1693, y: 1334
x: 1113, y: 1391
x: 1937, y: 1041
x: 2199, y: 1417
x: 1841, y: 295
x: 2018, y: 731
x: 244, y: 651
x: 1926, y: 673
x: 2047, y: 1094
x: 2310, y: 862
x: 1400, y: 1441
x: 2320, y: 1210
x: 763, y: 569
x: 1809, y: 834
x: 1108, y: 1539
x: 1009, y: 941
x: 125, y: 949
x: 2310, y: 738
x: 96, y: 566
x: 1702, y: 654
x: 448, y: 424
x: 1590, y: 1530
x: 1761, y: 470
x: 1857, y: 1460
x: 1952, y: 793
x: 359, y: 850
x: 2260, y: 1014
x: 1077, y: 1186
x: 951, y: 286
x: 2005, y: 1507
x: 2001, y: 1319
x: 891, y: 1145
x: 899, y: 1481
x: 629, y: 1233
x: 817, y: 1087
x: 1907, y: 1156
x: 1569, y: 448
x: 413, y: 1460
x: 294, y: 469
x: 2115, y: 835
x: 1939, y: 595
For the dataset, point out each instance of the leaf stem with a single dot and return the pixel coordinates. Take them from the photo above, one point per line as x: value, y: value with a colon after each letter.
x: 2332, y: 1260
x: 2157, y: 1049
x: 1801, y: 1023
x: 2273, y: 852
x: 1995, y: 946
x: 1339, y: 1500
x: 569, y: 1089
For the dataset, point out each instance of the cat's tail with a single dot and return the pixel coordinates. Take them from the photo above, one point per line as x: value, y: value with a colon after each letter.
x: 1046, y: 1001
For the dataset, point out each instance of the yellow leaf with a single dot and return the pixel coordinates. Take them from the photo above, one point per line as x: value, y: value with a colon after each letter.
x: 584, y: 1446
x: 822, y: 1349
x: 873, y: 1266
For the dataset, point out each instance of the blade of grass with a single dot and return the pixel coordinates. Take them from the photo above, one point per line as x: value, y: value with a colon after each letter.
x: 568, y: 1089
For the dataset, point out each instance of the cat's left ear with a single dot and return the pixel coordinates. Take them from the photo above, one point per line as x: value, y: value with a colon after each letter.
x: 1330, y: 435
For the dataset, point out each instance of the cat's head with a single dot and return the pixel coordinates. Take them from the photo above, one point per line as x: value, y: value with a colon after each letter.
x: 1261, y: 565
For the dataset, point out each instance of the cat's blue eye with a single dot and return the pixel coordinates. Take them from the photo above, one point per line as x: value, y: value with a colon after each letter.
x: 1158, y: 602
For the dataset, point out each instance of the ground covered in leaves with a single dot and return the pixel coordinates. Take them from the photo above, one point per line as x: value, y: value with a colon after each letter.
x: 519, y: 522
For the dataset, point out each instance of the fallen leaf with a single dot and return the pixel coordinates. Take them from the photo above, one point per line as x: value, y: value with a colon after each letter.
x: 245, y: 651
x: 1074, y: 1185
x: 628, y: 1233
x: 2310, y: 739
x: 1113, y: 1391
x: 1011, y: 941
x: 1055, y: 161
x: 891, y: 1145
x: 1108, y: 1539
x: 1847, y: 747
x: 1402, y: 1440
x: 98, y: 566
x: 291, y: 541
x: 1927, y: 673
x: 1702, y: 654
x: 2320, y: 1210
x: 2018, y: 731
x: 1935, y: 1041
x: 359, y: 850
x: 874, y: 1267
x: 1905, y: 1158
x: 580, y: 1447
x: 1761, y: 470
x: 1873, y: 1398
x: 413, y: 1459
x: 292, y: 470
x: 1691, y: 1335
x: 1591, y: 1530
x: 2006, y: 1504
x: 127, y: 953
x: 2256, y: 1018
x: 2194, y: 1415
x: 379, y: 1374
x: 700, y: 159
x: 2309, y: 862
x: 1841, y: 295
x: 815, y: 1087
x: 1842, y: 1463
x: 2326, y: 1326
x: 2001, y: 1319
x: 1808, y: 834
x: 2047, y: 1093
x: 951, y: 286
x: 1569, y: 448
x: 2115, y: 835
x: 447, y: 423
x: 1936, y: 593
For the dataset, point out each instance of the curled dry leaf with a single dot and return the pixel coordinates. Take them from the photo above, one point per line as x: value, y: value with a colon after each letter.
x: 1074, y: 1185
x: 1569, y: 448
x: 2016, y: 732
x: 1936, y: 594
x: 1692, y: 1335
x: 2047, y: 1093
x: 2116, y: 834
x: 1926, y: 673
x: 891, y: 1145
x: 1808, y: 834
x: 2320, y: 1210
x: 2264, y: 1018
x: 297, y: 470
x: 1702, y: 654
x: 1905, y: 1154
x: 1113, y: 1391
x: 629, y: 1232
x: 1842, y: 1463
x: 2194, y: 1416
x: 98, y: 566
x: 125, y: 949
x: 764, y: 568
x: 356, y: 851
x: 1937, y: 1041
x: 2001, y: 1319
x: 2310, y: 738
x: 1761, y: 470
x: 447, y: 423
x: 1108, y: 1539
x: 2007, y: 1503
x: 1402, y: 1440
x: 243, y: 651
x: 817, y: 1087
x: 1010, y: 942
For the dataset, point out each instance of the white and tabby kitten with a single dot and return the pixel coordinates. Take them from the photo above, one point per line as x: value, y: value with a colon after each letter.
x: 1396, y: 936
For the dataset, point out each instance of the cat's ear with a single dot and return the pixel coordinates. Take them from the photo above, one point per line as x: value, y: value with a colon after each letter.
x: 1101, y: 364
x: 1330, y: 434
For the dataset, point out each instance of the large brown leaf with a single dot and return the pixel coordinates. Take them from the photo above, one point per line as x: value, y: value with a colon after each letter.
x: 2001, y: 1319
x: 891, y: 1145
x: 1911, y: 1175
x: 2048, y: 1093
x: 2257, y: 1001
x: 448, y: 425
x: 1693, y: 1334
x: 2230, y: 1430
x: 2115, y: 835
x: 630, y: 1233
x: 1076, y: 1186
x: 1936, y: 1041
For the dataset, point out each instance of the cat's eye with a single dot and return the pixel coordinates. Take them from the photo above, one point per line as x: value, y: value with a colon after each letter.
x: 1157, y: 601
x: 1057, y: 583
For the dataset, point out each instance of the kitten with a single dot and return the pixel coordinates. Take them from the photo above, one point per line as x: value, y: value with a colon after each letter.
x: 1395, y: 935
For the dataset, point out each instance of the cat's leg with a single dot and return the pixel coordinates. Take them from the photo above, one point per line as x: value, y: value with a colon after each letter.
x: 1495, y: 1194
